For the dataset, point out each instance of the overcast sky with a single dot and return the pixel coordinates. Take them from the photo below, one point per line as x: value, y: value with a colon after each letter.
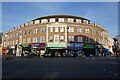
x: 103, y: 13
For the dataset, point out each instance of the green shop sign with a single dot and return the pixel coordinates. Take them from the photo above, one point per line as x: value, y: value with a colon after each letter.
x: 56, y: 45
x: 89, y: 46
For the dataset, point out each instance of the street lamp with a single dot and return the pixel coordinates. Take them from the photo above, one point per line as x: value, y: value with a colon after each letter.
x: 67, y: 39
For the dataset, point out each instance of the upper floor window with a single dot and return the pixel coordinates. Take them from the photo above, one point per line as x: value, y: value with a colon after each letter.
x: 93, y: 31
x: 22, y: 25
x: 29, y: 31
x: 26, y: 24
x: 25, y: 32
x: 56, y: 38
x: 61, y: 38
x: 70, y: 20
x: 91, y: 23
x: 56, y: 29
x: 52, y: 20
x: 34, y: 39
x: 42, y: 39
x: 42, y: 29
x: 87, y: 31
x: 44, y: 21
x: 87, y: 39
x: 80, y: 39
x: 71, y: 38
x: 20, y: 33
x: 37, y: 21
x: 30, y: 23
x: 51, y: 38
x: 61, y: 19
x: 61, y: 29
x: 35, y: 30
x: 79, y: 30
x: 78, y: 20
x: 85, y: 21
x: 51, y: 29
x: 71, y: 29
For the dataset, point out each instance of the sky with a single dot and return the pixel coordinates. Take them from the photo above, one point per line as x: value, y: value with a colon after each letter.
x: 103, y: 13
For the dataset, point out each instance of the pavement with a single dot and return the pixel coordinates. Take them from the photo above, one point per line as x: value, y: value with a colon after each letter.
x: 35, y: 67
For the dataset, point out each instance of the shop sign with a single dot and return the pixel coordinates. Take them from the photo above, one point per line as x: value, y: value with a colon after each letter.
x: 38, y: 45
x: 78, y: 45
x: 89, y: 46
x: 56, y: 45
x: 12, y: 47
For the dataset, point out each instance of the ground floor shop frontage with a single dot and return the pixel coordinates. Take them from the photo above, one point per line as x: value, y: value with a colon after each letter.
x: 56, y: 49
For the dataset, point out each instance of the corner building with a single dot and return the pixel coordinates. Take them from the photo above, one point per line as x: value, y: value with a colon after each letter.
x: 56, y: 33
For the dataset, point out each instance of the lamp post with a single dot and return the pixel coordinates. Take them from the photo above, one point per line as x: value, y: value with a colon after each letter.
x: 67, y: 39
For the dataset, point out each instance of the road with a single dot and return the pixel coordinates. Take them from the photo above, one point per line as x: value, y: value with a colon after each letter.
x: 88, y: 67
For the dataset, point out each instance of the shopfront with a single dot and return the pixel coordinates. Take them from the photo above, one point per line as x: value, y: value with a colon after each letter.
x: 90, y: 49
x: 75, y: 48
x: 56, y: 49
x: 11, y: 50
x: 38, y: 49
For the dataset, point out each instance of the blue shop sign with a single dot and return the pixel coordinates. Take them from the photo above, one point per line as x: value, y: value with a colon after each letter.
x: 79, y: 45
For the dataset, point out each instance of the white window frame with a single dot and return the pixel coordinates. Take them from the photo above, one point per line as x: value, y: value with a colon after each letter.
x: 87, y: 30
x: 42, y: 39
x: 52, y: 19
x: 61, y: 29
x: 44, y: 20
x: 92, y: 23
x: 37, y: 21
x: 71, y: 38
x: 35, y: 30
x: 26, y: 24
x: 29, y: 31
x: 80, y: 39
x: 42, y: 29
x: 50, y: 38
x: 62, y: 38
x: 30, y: 23
x: 85, y: 21
x: 78, y: 21
x: 61, y: 20
x: 56, y: 29
x: 79, y: 30
x: 70, y: 20
x: 55, y: 38
x: 51, y: 29
x: 71, y: 29
x: 34, y: 39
